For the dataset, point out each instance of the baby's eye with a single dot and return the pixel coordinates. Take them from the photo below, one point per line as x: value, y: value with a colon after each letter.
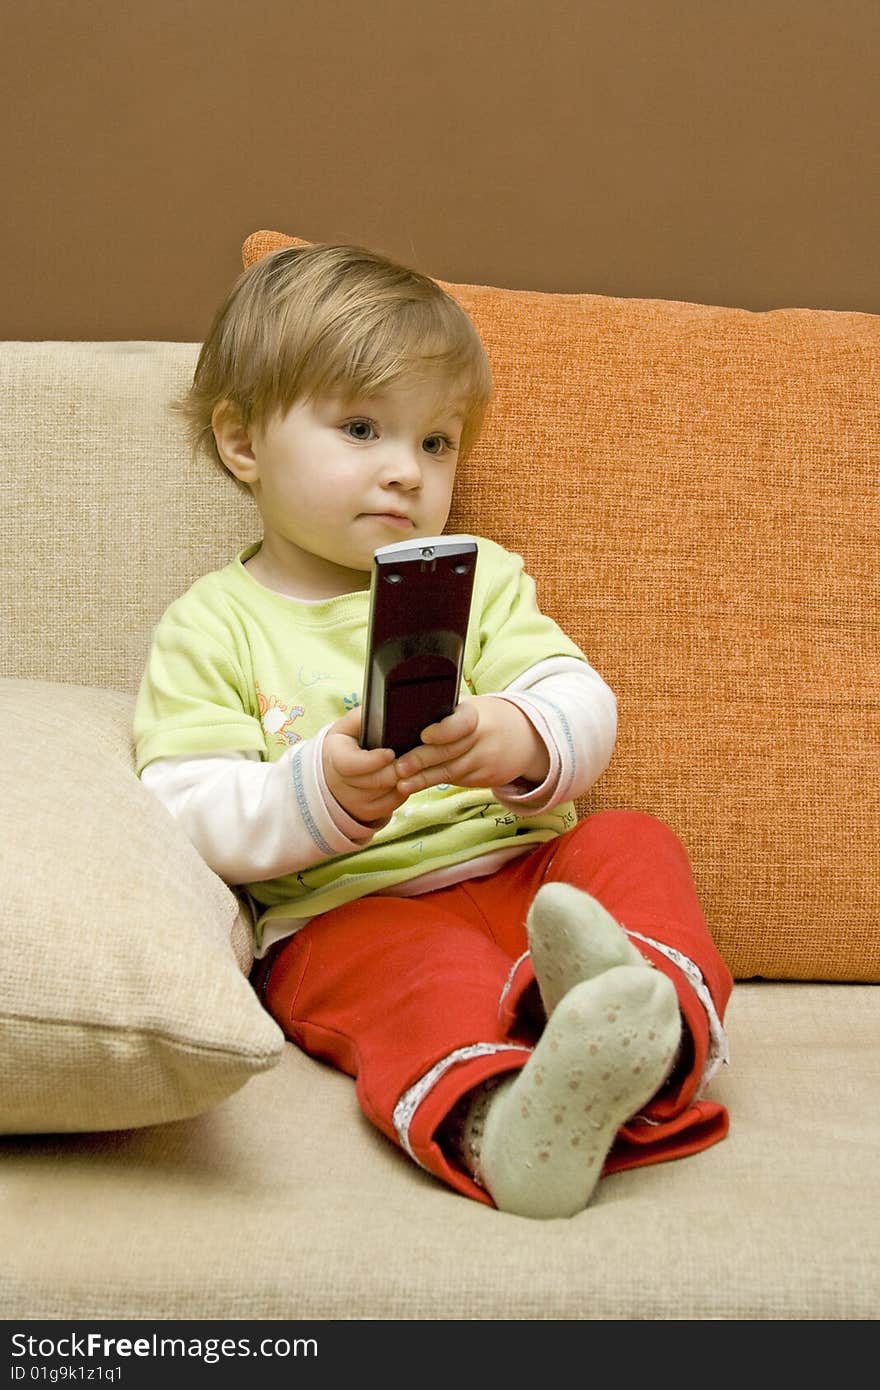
x: 437, y: 443
x: 361, y: 430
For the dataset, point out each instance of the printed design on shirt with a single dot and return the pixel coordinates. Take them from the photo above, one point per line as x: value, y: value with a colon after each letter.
x: 312, y: 677
x: 351, y: 701
x: 278, y: 719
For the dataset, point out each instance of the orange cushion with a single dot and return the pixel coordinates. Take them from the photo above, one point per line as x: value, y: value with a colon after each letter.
x: 696, y: 491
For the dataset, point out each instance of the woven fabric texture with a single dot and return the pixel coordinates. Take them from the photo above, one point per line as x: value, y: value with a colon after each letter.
x: 121, y: 1002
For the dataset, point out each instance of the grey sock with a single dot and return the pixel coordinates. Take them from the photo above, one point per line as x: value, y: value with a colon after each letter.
x: 572, y: 938
x: 537, y: 1141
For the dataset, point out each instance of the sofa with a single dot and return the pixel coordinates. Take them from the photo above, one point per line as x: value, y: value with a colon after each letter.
x: 696, y: 491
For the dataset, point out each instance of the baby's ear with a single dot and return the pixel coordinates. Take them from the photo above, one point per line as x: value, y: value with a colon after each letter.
x: 233, y: 441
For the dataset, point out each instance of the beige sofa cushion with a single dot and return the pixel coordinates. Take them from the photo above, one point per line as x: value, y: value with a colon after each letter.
x: 290, y: 1205
x: 124, y: 999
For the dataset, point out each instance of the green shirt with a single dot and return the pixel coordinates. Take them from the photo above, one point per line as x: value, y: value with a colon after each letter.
x: 235, y: 666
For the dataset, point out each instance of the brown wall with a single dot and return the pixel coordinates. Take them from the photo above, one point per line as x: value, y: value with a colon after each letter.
x: 723, y: 151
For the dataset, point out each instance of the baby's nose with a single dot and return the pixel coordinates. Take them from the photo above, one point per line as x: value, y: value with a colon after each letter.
x: 404, y: 467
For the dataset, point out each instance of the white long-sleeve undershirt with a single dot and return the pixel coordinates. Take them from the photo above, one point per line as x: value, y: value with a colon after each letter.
x: 252, y: 820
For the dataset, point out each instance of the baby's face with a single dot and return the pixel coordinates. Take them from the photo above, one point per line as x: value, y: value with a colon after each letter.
x: 336, y: 478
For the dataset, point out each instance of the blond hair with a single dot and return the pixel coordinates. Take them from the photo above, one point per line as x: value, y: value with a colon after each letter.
x: 308, y: 321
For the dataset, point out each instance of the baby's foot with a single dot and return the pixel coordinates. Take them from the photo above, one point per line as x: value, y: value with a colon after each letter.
x: 573, y: 938
x: 538, y: 1140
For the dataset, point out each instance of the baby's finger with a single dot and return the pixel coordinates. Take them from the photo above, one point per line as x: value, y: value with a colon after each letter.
x: 382, y: 779
x: 433, y: 776
x: 457, y: 725
x: 425, y: 757
x: 352, y: 762
x: 348, y: 723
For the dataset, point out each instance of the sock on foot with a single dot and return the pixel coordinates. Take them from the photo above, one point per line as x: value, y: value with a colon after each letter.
x: 537, y: 1141
x: 572, y: 938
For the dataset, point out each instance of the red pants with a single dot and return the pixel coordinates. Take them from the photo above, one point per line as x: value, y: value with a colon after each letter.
x: 422, y: 998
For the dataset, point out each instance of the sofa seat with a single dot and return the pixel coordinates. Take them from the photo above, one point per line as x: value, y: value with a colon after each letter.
x: 288, y: 1205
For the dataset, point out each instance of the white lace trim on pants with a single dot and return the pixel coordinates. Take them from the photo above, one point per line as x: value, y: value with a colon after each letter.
x: 719, y: 1050
x: 718, y: 1053
x: 410, y: 1101
x: 510, y: 978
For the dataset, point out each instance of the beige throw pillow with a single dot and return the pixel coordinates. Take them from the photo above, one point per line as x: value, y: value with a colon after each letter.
x: 124, y: 998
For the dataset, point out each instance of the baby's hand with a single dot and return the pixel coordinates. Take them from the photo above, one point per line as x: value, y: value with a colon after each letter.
x: 363, y: 780
x: 485, y: 742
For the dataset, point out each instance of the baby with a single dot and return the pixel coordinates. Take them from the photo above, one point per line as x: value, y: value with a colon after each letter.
x: 439, y: 925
